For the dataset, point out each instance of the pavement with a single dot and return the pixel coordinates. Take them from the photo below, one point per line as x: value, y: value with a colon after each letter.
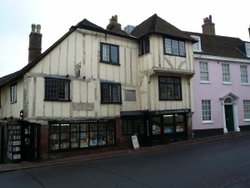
x: 7, y: 167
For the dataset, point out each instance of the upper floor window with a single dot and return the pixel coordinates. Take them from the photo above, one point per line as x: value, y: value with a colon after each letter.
x: 197, y: 45
x: 247, y: 45
x: 226, y: 73
x: 144, y: 46
x: 246, y: 105
x: 206, y: 110
x: 57, y: 89
x: 109, y: 53
x: 174, y: 47
x: 170, y: 88
x: 243, y: 74
x: 110, y: 93
x: 204, y: 75
x: 13, y: 93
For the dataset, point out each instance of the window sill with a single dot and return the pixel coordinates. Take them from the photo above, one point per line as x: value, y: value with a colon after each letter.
x: 227, y: 83
x: 13, y: 102
x: 207, y: 122
x: 247, y: 120
x: 56, y: 100
x: 205, y: 82
x: 245, y: 84
x: 110, y: 63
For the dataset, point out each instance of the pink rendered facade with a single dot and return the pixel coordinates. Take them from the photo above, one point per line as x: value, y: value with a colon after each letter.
x: 219, y: 94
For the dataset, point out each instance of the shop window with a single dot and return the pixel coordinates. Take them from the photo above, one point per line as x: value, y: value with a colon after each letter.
x: 65, y: 136
x: 170, y: 88
x: 156, y: 125
x: 168, y: 122
x: 133, y: 126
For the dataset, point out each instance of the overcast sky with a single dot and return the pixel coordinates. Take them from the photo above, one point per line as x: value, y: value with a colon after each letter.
x: 231, y: 18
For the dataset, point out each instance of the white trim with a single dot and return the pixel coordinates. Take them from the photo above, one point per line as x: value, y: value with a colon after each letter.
x: 247, y: 120
x: 207, y: 122
x: 219, y: 58
x: 205, y: 82
x: 227, y: 83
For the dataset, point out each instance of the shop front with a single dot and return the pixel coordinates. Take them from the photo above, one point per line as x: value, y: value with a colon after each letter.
x: 156, y: 127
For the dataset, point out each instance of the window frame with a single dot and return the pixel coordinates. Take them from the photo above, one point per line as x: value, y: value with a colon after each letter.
x: 197, y: 45
x: 247, y: 46
x: 246, y: 109
x: 206, y: 111
x: 57, y: 89
x: 109, y: 54
x: 13, y: 93
x: 144, y: 46
x: 174, y: 48
x: 244, y: 74
x: 177, y: 83
x: 226, y: 76
x: 204, y: 72
x: 111, y: 93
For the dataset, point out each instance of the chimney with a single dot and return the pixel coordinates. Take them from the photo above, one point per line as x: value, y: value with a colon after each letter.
x: 35, y: 42
x: 113, y: 23
x: 208, y: 26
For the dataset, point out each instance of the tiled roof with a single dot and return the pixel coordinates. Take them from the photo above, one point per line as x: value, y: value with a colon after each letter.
x: 156, y: 25
x: 221, y: 46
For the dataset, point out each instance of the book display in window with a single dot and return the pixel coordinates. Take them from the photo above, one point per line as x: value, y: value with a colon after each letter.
x: 14, y: 142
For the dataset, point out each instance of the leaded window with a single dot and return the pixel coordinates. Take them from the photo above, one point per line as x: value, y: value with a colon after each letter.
x: 170, y: 88
x: 144, y: 46
x: 57, y: 89
x: 174, y: 47
x: 109, y: 53
x: 110, y: 93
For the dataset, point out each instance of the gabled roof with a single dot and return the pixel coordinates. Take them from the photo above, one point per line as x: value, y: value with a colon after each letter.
x: 84, y: 24
x: 156, y: 25
x: 222, y: 46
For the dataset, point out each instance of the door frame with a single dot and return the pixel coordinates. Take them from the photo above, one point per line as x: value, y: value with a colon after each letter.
x: 230, y: 99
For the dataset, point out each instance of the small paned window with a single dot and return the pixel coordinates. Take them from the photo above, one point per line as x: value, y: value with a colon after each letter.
x: 110, y: 93
x: 13, y: 93
x: 204, y: 75
x: 109, y: 53
x: 206, y: 110
x: 174, y: 47
x: 57, y: 89
x: 226, y: 73
x: 247, y: 45
x: 144, y: 46
x: 243, y: 74
x: 246, y: 105
x: 170, y: 88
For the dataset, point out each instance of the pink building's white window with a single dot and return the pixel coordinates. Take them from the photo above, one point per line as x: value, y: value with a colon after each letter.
x: 204, y: 74
x: 206, y: 111
x: 246, y: 105
x: 243, y: 74
x: 226, y: 78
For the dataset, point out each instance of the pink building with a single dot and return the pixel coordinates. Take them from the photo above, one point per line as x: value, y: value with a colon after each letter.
x: 221, y: 83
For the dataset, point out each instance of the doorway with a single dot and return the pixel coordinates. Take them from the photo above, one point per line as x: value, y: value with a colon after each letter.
x: 229, y: 116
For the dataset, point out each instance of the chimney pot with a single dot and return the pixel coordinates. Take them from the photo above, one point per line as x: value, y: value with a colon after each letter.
x: 113, y: 23
x: 208, y: 26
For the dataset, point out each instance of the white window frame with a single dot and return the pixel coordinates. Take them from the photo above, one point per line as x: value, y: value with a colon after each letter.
x: 197, y: 45
x: 246, y: 108
x: 204, y: 72
x: 244, y: 74
x: 226, y: 76
x: 206, y: 111
x: 13, y: 93
x: 247, y: 45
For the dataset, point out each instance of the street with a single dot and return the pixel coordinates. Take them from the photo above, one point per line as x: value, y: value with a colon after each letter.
x: 224, y: 163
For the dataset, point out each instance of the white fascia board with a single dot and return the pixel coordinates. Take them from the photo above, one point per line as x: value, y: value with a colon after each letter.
x: 220, y: 58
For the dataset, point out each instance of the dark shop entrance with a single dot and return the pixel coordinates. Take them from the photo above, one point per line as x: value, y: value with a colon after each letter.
x: 156, y: 127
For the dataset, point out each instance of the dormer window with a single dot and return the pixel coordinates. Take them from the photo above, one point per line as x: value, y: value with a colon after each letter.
x: 247, y: 45
x: 144, y: 46
x: 197, y: 45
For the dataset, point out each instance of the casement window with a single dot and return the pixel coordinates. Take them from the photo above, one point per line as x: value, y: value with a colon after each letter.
x: 226, y: 73
x: 174, y: 47
x: 13, y: 93
x: 204, y: 74
x: 206, y: 111
x: 170, y: 88
x: 80, y: 135
x: 243, y: 74
x: 110, y: 93
x: 197, y: 45
x: 144, y: 46
x: 109, y: 53
x: 246, y: 106
x: 133, y: 126
x: 57, y: 89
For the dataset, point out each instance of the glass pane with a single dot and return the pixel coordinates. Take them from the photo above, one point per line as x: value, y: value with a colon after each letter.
x: 74, y: 128
x: 156, y: 125
x: 139, y: 126
x: 116, y: 93
x: 93, y: 139
x: 64, y: 144
x: 175, y: 47
x: 74, y: 140
x: 106, y: 92
x: 84, y: 127
x: 182, y: 50
x: 65, y: 127
x: 93, y: 127
x: 54, y: 128
x: 168, y: 121
x: 110, y: 138
x: 84, y: 142
x: 54, y: 141
x: 102, y: 138
x: 114, y: 54
x: 105, y: 52
x: 168, y: 48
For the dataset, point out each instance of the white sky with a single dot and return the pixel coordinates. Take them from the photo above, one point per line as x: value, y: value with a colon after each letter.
x: 231, y: 18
